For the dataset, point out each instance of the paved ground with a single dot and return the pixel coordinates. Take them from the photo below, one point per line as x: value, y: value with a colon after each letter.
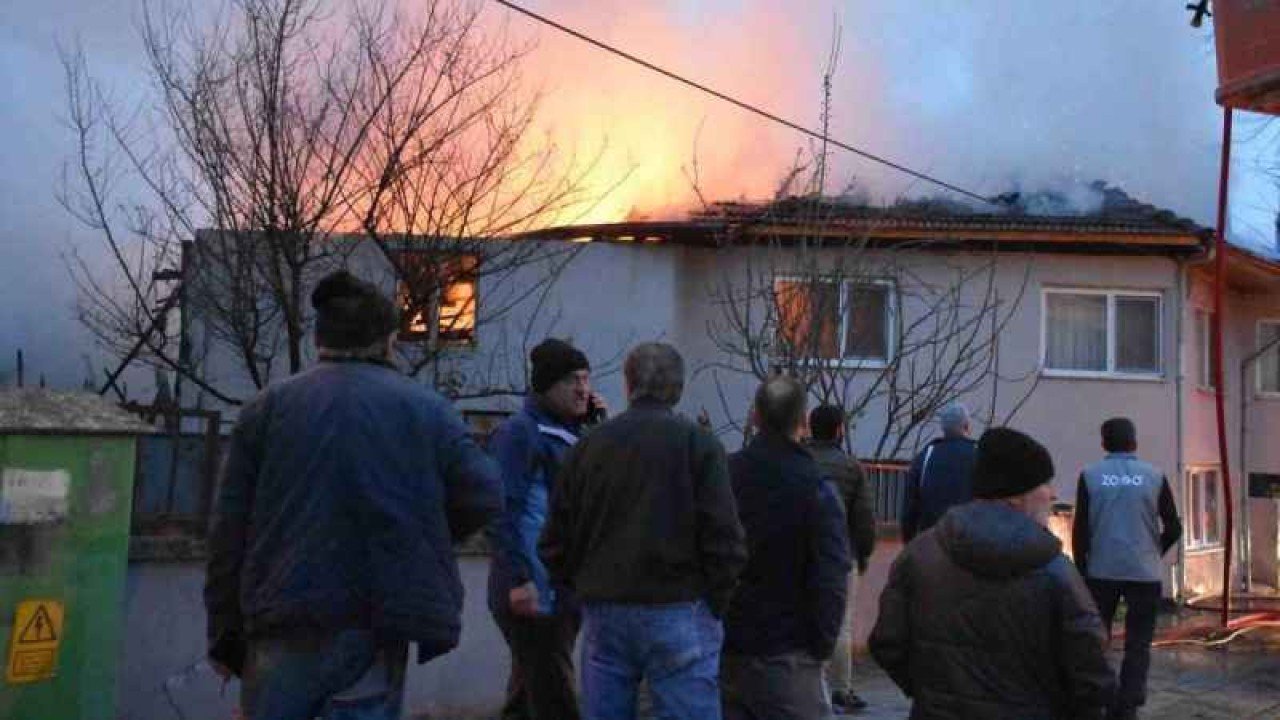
x: 1238, y: 681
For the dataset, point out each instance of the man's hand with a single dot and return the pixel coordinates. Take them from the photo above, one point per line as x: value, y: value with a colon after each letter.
x: 523, y: 600
x: 599, y: 405
x: 222, y: 671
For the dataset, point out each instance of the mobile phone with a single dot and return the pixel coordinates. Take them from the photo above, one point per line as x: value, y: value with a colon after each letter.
x: 595, y: 413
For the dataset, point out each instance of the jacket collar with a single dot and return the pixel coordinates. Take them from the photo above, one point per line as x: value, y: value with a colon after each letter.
x: 534, y: 406
x: 1122, y: 456
x: 776, y: 442
x: 645, y: 403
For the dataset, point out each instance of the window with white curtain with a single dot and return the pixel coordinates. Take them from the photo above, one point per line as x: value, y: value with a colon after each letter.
x: 1269, y: 362
x: 1096, y: 332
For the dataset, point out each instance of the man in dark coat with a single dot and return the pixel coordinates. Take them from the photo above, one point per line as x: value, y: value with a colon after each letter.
x: 785, y: 616
x: 643, y: 530
x: 826, y: 430
x: 343, y: 491
x: 984, y: 618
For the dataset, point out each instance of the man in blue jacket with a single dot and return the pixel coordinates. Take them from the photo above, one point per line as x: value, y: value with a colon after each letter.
x: 784, y: 618
x: 343, y: 491
x: 940, y: 477
x: 539, y: 622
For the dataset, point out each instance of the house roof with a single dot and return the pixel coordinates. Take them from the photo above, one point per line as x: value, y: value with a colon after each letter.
x: 38, y: 410
x: 1115, y: 223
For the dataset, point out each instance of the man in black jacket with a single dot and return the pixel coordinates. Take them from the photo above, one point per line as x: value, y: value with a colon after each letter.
x: 642, y: 527
x: 785, y: 616
x: 826, y: 429
x: 984, y: 618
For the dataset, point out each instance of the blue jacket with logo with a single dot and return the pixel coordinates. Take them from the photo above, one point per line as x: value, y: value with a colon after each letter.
x: 343, y: 491
x: 530, y: 447
x: 1125, y: 520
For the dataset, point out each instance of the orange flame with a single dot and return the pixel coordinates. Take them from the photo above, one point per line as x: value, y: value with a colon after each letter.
x: 652, y: 128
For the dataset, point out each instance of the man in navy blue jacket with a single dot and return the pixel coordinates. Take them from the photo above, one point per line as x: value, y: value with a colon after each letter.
x: 539, y: 622
x: 940, y: 477
x: 785, y: 615
x: 331, y: 549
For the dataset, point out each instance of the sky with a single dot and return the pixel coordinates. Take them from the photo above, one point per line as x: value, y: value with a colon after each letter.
x: 992, y: 95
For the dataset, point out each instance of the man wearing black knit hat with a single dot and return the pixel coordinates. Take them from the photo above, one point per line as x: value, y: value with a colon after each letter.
x: 984, y: 617
x: 539, y: 621
x: 1125, y: 522
x: 344, y: 488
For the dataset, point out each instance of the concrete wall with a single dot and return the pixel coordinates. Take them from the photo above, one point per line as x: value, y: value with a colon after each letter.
x: 162, y: 659
x: 163, y: 675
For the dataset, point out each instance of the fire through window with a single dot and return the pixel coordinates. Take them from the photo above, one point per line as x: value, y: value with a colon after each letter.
x: 437, y: 298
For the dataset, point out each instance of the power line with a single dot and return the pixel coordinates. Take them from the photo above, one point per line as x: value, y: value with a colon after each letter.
x: 745, y: 105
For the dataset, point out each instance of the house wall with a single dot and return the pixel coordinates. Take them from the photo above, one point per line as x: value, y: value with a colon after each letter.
x: 1065, y: 413
x: 612, y: 296
x: 1262, y: 415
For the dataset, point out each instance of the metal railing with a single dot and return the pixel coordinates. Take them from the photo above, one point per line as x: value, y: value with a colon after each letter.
x: 888, y: 480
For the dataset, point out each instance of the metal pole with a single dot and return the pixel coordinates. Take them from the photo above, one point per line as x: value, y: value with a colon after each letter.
x: 1220, y: 277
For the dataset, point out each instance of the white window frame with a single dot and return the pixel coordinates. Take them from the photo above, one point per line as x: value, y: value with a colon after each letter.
x: 1204, y: 381
x: 1192, y: 531
x: 890, y: 324
x: 1110, y: 373
x: 1257, y: 371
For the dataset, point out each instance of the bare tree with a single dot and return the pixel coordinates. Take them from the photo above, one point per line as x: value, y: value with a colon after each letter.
x: 296, y: 132
x: 890, y: 332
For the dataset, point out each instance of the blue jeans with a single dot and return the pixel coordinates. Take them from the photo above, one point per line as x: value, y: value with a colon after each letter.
x: 674, y: 648
x: 344, y: 675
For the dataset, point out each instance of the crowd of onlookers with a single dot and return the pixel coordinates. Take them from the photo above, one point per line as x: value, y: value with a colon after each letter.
x: 712, y: 584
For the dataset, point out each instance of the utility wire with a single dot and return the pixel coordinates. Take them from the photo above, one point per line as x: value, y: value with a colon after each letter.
x: 745, y: 105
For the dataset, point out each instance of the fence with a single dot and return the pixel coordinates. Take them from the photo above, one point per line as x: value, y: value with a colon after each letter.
x: 888, y: 487
x: 175, y: 474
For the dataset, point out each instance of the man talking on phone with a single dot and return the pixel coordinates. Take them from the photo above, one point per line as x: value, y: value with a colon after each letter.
x: 539, y: 621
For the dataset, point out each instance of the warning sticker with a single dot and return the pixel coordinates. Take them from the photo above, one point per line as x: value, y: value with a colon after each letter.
x: 32, y: 497
x: 33, y: 642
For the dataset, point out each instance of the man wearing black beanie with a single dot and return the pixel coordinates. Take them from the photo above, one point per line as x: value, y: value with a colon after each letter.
x: 344, y: 489
x: 983, y: 616
x: 539, y: 621
x: 1120, y: 502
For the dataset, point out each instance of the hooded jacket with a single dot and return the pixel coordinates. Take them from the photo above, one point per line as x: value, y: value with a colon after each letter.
x: 984, y: 617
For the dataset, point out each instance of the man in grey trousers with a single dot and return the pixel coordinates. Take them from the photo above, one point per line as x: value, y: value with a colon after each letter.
x: 1125, y: 522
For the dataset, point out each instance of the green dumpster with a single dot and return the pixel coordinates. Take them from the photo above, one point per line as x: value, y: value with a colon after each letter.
x: 66, y: 488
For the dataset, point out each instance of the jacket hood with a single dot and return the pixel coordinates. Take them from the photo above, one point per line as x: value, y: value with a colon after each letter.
x: 995, y: 541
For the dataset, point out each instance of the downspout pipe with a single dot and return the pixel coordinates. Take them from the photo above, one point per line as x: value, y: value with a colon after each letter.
x: 1219, y: 283
x: 1180, y: 305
